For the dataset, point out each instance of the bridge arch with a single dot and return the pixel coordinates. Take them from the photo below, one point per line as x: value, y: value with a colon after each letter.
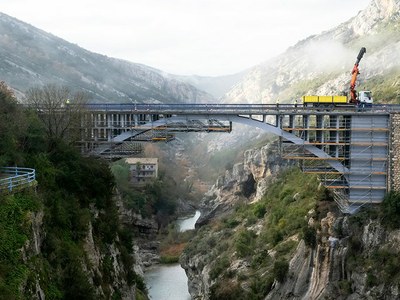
x: 245, y: 121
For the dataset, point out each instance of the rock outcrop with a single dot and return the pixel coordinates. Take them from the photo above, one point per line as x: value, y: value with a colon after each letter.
x: 98, y: 255
x: 324, y: 272
x: 96, y: 258
x: 246, y: 182
x: 145, y: 248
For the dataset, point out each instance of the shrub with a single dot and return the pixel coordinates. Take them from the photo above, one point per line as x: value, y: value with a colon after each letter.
x: 280, y: 269
x: 169, y: 259
x: 345, y: 287
x: 226, y: 289
x: 260, y: 287
x: 310, y: 236
x: 391, y: 210
x: 371, y: 279
x: 230, y: 222
x: 220, y: 265
x: 245, y: 242
x: 259, y: 210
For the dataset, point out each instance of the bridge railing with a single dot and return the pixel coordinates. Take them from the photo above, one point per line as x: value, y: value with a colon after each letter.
x: 228, y: 108
x: 15, y: 177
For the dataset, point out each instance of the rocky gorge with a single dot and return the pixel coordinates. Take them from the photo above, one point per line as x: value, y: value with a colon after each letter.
x: 328, y: 256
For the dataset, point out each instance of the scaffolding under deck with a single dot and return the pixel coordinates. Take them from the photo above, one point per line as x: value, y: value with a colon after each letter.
x: 360, y: 143
x: 116, y: 135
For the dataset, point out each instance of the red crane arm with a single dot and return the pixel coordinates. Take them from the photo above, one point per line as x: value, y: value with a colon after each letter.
x: 354, y: 74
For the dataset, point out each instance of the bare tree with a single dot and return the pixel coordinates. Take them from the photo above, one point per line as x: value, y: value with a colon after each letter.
x: 60, y: 110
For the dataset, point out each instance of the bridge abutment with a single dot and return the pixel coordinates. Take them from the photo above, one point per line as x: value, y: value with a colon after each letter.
x: 394, y: 154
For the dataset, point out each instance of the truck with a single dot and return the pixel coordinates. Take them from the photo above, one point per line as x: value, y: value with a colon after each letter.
x: 360, y: 99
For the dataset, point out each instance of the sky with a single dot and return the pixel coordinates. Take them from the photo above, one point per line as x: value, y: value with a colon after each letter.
x: 185, y: 37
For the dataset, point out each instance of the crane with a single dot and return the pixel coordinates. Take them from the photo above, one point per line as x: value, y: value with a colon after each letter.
x: 360, y: 99
x: 363, y: 97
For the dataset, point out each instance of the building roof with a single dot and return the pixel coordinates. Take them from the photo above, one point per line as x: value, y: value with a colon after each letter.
x: 135, y: 160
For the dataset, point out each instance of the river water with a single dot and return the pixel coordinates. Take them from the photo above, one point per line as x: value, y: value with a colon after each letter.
x: 169, y: 282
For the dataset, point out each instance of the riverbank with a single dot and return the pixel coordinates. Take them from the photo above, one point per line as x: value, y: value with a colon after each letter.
x: 168, y: 281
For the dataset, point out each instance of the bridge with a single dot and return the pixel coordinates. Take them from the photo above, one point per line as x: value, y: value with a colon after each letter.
x: 353, y: 150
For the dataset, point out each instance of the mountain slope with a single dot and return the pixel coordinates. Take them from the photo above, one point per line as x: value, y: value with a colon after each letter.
x: 322, y: 63
x: 31, y: 57
x: 217, y: 86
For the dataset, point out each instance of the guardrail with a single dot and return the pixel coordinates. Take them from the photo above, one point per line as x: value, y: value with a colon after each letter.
x: 16, y: 178
x: 215, y: 109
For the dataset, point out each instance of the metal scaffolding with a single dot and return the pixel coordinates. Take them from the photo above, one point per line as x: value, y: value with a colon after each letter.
x: 346, y: 147
x: 119, y: 134
x: 359, y: 142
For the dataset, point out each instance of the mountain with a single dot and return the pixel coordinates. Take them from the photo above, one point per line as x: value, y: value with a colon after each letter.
x: 321, y: 64
x: 30, y: 57
x: 217, y: 86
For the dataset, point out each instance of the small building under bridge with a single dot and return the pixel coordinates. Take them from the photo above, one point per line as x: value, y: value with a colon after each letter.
x: 142, y: 170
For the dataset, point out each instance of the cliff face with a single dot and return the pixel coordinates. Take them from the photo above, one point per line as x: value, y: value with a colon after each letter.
x: 329, y: 270
x: 353, y: 259
x: 110, y: 268
x: 245, y: 183
x: 96, y: 258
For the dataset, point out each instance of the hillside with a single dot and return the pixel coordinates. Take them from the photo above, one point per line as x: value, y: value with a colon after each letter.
x: 217, y: 86
x: 322, y: 63
x: 31, y: 57
x: 290, y: 243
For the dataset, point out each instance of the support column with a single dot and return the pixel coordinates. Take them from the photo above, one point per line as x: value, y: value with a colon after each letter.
x: 333, y: 135
x: 291, y: 122
x: 318, y: 133
x: 306, y: 125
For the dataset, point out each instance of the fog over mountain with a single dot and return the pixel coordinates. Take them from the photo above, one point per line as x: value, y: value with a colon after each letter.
x: 321, y: 64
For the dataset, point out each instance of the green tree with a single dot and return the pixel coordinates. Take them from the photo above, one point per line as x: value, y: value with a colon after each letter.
x: 12, y: 127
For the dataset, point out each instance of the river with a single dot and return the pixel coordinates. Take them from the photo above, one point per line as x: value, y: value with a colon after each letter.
x: 169, y: 282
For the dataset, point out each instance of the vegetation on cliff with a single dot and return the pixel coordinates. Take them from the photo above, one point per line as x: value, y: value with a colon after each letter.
x: 250, y: 249
x: 380, y: 259
x: 73, y: 195
x: 258, y: 250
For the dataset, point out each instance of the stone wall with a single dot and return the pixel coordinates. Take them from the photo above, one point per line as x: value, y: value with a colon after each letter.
x: 394, y: 165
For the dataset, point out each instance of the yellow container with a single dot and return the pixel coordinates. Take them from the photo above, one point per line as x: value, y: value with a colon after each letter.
x: 339, y: 99
x: 310, y: 99
x: 325, y: 99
